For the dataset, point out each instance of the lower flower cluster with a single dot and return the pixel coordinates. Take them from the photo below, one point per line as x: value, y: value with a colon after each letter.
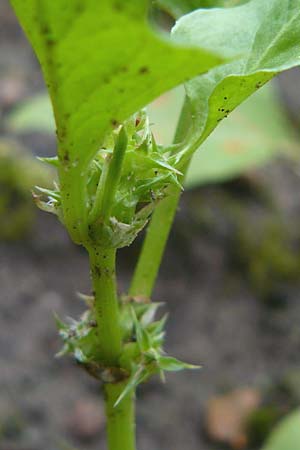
x: 142, y: 351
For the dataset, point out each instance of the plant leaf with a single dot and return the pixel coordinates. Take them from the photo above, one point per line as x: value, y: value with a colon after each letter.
x: 101, y: 63
x: 286, y: 435
x: 149, y: 314
x: 178, y: 8
x: 136, y: 378
x: 253, y: 134
x: 156, y: 328
x: 122, y: 71
x: 52, y: 161
x: 60, y: 325
x: 142, y: 336
x: 266, y: 34
x: 171, y: 364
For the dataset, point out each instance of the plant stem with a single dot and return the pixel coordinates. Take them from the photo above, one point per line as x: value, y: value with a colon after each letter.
x: 159, y: 229
x: 102, y: 262
x: 154, y: 245
x: 109, y: 180
x: 120, y: 419
x: 74, y: 202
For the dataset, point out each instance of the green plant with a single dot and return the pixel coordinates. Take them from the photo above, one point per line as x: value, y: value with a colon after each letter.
x: 286, y: 434
x: 256, y: 132
x: 102, y: 63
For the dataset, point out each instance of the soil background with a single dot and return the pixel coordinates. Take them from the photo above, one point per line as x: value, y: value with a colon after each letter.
x: 216, y: 317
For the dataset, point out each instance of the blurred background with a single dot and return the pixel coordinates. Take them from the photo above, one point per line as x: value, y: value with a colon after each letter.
x: 230, y: 279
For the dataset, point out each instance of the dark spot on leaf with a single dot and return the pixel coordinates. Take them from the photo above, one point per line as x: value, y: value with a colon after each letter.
x: 80, y: 8
x: 143, y: 70
x: 118, y: 6
x: 50, y: 42
x: 66, y: 157
x: 114, y: 122
x: 62, y: 133
x: 97, y: 271
x: 45, y: 29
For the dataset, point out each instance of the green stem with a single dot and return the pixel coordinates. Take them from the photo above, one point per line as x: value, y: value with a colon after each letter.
x: 74, y: 201
x: 158, y: 231
x: 154, y: 245
x: 109, y: 180
x: 102, y: 262
x: 120, y: 419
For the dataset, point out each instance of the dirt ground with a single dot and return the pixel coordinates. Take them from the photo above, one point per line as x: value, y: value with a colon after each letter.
x: 217, y: 317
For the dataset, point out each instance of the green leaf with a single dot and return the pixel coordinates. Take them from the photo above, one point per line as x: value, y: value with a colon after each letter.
x: 253, y: 134
x: 156, y: 328
x: 149, y: 314
x: 102, y: 63
x: 97, y: 74
x: 171, y: 364
x: 286, y: 435
x: 142, y: 336
x: 221, y: 3
x: 80, y: 337
x: 60, y: 325
x: 52, y: 161
x: 54, y: 194
x: 266, y: 34
x: 178, y: 8
x: 136, y: 378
